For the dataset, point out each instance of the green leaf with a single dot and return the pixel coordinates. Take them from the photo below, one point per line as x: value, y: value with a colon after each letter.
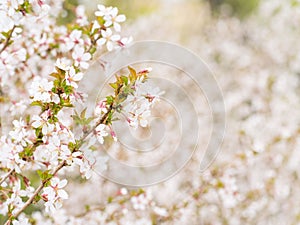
x: 27, y: 119
x: 44, y: 175
x: 55, y: 75
x: 132, y: 72
x: 125, y: 79
x: 28, y: 151
x: 6, y: 34
x: 37, y: 103
x: 90, y: 119
x: 56, y: 83
x: 110, y: 199
x: 37, y: 198
x: 60, y: 72
x: 38, y: 133
x: 81, y: 119
x: 68, y: 90
x: 82, y: 114
x: 93, y: 50
x: 114, y: 85
x: 110, y: 99
x: 67, y: 105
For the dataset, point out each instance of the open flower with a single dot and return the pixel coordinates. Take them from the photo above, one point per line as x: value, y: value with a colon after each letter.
x: 19, y: 134
x: 81, y: 57
x: 40, y: 90
x: 74, y: 39
x: 109, y: 38
x: 101, y: 108
x: 81, y: 16
x: 54, y: 194
x: 63, y: 64
x: 103, y: 11
x: 21, y: 221
x: 114, y: 19
x: 125, y: 41
x: 6, y: 22
x: 72, y: 77
x: 100, y: 133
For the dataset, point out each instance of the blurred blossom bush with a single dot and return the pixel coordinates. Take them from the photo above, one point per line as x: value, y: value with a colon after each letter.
x: 255, y: 179
x: 238, y: 8
x: 41, y: 67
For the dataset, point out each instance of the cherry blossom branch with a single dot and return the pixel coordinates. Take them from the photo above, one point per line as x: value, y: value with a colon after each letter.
x: 6, y: 176
x: 58, y: 168
x: 75, y: 39
x: 94, y: 42
x: 101, y: 121
x: 6, y: 44
x: 90, y: 210
x: 37, y: 191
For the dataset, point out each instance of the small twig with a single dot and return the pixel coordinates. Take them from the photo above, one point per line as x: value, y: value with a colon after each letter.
x: 94, y: 42
x: 101, y: 121
x: 60, y: 166
x: 7, y: 40
x: 37, y: 191
x: 6, y: 176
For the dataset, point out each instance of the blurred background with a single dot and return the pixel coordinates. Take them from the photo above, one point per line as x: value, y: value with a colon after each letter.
x: 253, y: 49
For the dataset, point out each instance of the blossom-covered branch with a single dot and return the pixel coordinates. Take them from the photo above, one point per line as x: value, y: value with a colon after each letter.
x: 42, y: 141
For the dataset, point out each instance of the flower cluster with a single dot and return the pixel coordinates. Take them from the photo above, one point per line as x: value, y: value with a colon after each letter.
x: 132, y: 99
x: 255, y: 179
x: 117, y: 208
x: 41, y: 67
x: 53, y: 194
x: 138, y: 105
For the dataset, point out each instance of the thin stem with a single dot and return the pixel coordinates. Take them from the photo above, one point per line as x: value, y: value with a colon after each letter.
x: 61, y: 165
x: 7, y: 40
x: 94, y: 42
x: 101, y: 121
x: 12, y: 170
x: 37, y: 191
x: 58, y: 168
x: 6, y: 176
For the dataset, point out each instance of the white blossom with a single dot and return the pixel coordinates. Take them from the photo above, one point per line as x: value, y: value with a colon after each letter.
x: 103, y: 11
x: 81, y: 57
x: 6, y: 22
x: 41, y: 90
x: 108, y: 38
x: 74, y: 39
x: 100, y: 109
x: 100, y: 133
x: 114, y: 19
x: 54, y: 194
x: 72, y: 77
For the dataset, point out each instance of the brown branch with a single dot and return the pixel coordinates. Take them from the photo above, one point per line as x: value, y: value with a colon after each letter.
x: 94, y: 41
x: 37, y: 191
x: 104, y: 118
x: 101, y: 121
x: 6, y: 176
x: 58, y: 168
x: 62, y: 164
x: 6, y: 44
